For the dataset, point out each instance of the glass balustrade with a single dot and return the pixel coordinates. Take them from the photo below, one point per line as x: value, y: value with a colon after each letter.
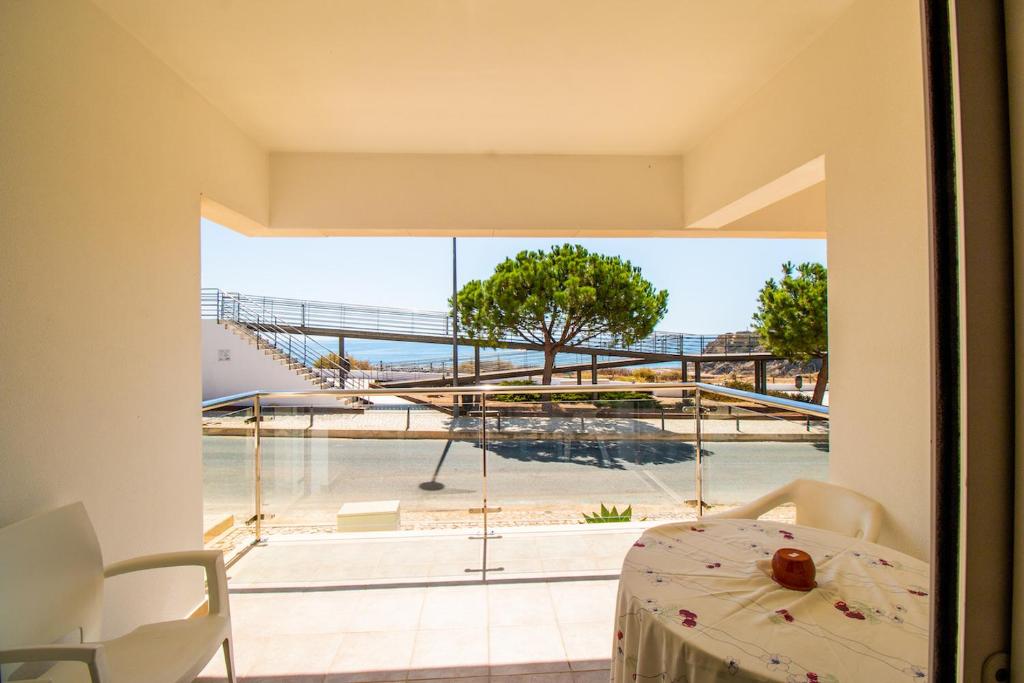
x: 517, y: 480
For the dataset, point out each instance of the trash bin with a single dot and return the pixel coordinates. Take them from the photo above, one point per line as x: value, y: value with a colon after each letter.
x: 799, y: 382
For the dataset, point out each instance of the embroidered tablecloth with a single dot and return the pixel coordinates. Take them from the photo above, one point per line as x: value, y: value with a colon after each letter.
x: 694, y: 605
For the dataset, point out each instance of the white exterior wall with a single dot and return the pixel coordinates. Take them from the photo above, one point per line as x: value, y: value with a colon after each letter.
x: 249, y: 369
x: 855, y: 96
x: 104, y: 156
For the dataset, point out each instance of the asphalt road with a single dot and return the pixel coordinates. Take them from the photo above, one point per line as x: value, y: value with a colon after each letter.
x: 312, y: 477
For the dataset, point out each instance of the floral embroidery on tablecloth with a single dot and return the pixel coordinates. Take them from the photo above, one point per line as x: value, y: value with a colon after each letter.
x: 678, y: 575
x: 811, y: 677
x: 776, y: 662
x: 850, y: 612
x: 732, y: 665
x: 914, y: 672
x: 782, y: 616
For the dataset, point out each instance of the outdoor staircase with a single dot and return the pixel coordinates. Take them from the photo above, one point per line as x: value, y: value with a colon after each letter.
x: 298, y: 352
x: 300, y: 369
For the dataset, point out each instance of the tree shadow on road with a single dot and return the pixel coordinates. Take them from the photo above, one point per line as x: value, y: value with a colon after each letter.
x: 603, y: 454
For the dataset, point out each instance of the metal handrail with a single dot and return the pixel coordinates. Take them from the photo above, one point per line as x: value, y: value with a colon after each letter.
x: 483, y: 391
x: 379, y: 319
x: 258, y: 323
x: 514, y: 358
x: 491, y: 389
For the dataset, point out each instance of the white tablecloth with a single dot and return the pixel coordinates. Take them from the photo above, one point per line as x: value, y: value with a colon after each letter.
x: 694, y: 606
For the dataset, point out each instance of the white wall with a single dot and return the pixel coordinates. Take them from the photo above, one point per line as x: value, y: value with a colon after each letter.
x: 248, y: 369
x: 474, y: 194
x: 103, y: 158
x: 854, y: 96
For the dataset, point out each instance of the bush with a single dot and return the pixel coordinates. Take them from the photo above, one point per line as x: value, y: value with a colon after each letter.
x: 634, y: 400
x: 603, y: 399
x: 644, y: 375
x: 605, y: 515
x: 333, y: 360
x: 517, y: 398
x: 749, y: 386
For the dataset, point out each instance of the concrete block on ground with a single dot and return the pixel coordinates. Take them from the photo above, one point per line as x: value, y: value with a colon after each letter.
x: 370, y: 515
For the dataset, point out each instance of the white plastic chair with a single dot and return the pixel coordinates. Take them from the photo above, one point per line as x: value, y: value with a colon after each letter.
x: 51, y: 597
x: 820, y: 505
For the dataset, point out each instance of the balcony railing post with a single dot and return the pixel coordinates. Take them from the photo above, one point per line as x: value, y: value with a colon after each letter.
x: 258, y: 465
x: 483, y: 485
x: 698, y: 473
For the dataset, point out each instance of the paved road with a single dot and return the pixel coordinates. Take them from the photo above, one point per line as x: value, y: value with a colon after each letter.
x: 308, y: 479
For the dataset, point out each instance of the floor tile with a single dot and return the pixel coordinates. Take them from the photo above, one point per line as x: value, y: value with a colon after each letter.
x: 450, y: 653
x: 294, y: 613
x: 519, y: 605
x: 294, y: 655
x: 389, y: 609
x: 372, y: 656
x: 446, y: 607
x: 582, y: 601
x: 526, y: 650
x: 587, y: 645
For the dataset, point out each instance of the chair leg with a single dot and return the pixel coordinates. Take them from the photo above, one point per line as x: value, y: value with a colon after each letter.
x: 229, y: 660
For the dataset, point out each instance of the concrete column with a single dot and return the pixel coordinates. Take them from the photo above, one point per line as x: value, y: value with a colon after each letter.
x: 476, y: 365
x: 696, y: 371
x: 579, y: 377
x: 757, y: 376
x: 683, y: 369
x: 341, y: 347
x: 593, y: 369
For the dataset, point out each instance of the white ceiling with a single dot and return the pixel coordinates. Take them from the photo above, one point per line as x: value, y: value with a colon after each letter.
x: 476, y: 76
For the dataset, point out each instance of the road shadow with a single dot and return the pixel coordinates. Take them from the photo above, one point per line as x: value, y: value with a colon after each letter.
x: 603, y: 454
x: 581, y: 425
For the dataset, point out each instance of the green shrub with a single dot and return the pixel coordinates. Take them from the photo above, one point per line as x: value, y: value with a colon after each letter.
x: 605, y: 399
x: 517, y: 398
x: 740, y: 385
x: 634, y: 400
x: 332, y: 360
x: 605, y: 515
x: 644, y: 375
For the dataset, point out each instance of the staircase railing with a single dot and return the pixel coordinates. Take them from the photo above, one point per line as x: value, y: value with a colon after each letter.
x: 273, y: 332
x: 398, y: 321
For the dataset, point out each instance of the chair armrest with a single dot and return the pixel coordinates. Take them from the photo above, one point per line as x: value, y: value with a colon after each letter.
x: 754, y: 508
x: 211, y: 560
x: 90, y: 654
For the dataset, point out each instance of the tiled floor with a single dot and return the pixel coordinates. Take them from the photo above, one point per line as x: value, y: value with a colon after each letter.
x: 326, y: 560
x: 370, y: 609
x: 558, y: 631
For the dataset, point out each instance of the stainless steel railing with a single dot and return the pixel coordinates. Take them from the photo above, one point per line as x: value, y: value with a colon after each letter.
x: 381, y: 320
x: 269, y: 331
x: 479, y: 394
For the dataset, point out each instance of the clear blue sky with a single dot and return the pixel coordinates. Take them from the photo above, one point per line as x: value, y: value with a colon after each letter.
x: 712, y: 283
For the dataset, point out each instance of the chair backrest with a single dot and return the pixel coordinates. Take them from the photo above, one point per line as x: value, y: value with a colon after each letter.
x: 51, y: 578
x: 828, y: 506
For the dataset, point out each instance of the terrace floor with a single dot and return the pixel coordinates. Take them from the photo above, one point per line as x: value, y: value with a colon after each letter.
x: 416, y: 606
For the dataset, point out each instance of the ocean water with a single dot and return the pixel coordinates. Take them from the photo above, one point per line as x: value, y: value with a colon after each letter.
x: 375, y: 350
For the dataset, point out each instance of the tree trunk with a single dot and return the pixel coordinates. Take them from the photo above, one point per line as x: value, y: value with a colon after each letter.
x: 819, y: 386
x: 549, y: 366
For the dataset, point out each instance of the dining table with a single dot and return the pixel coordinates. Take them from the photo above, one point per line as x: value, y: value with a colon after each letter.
x: 697, y: 603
